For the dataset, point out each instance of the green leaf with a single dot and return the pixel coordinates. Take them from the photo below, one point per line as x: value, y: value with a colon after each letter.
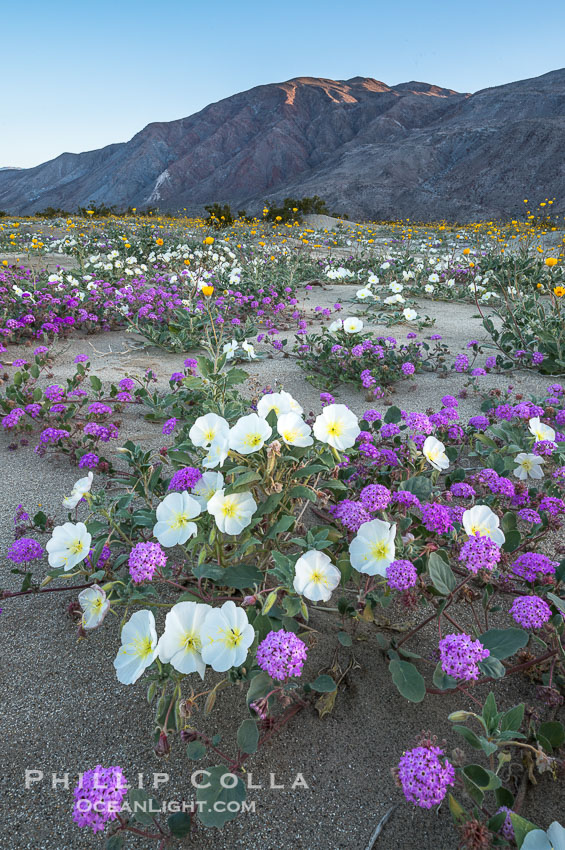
x: 486, y: 780
x: 248, y: 736
x: 441, y: 574
x: 442, y: 680
x: 554, y: 732
x: 408, y: 680
x: 393, y: 414
x: 323, y: 684
x: 490, y: 713
x: 344, y: 638
x: 521, y: 829
x: 559, y: 603
x: 469, y: 736
x: 95, y: 383
x: 502, y: 643
x: 259, y: 687
x: 143, y: 807
x: 240, y: 576
x: 196, y: 750
x: 419, y: 485
x: 513, y: 540
x: 492, y: 667
x: 115, y: 842
x: 301, y: 492
x: 215, y: 801
x: 458, y: 813
x: 512, y: 719
x: 179, y: 824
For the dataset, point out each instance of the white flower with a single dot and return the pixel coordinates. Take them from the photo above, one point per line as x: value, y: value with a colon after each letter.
x: 249, y: 434
x: 482, y: 521
x: 409, y: 314
x: 181, y: 642
x: 540, y: 431
x: 394, y: 299
x: 372, y: 279
x: 395, y: 286
x: 226, y: 636
x: 385, y: 265
x: 69, y: 545
x: 217, y: 453
x: 207, y: 429
x: 173, y: 519
x: 337, y: 426
x: 232, y: 513
x: 362, y: 294
x: 294, y: 430
x: 94, y: 606
x: 229, y: 349
x: 429, y: 288
x: 372, y: 550
x: 273, y: 401
x: 294, y: 406
x: 434, y: 452
x: 206, y: 487
x: 315, y: 577
x: 81, y: 487
x: 433, y: 278
x: 138, y: 649
x: 336, y: 325
x: 248, y: 348
x: 352, y: 325
x: 529, y: 466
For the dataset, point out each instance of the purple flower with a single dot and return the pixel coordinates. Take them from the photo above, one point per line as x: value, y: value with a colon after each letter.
x: 371, y: 416
x: 88, y: 461
x: 81, y: 358
x: 326, y: 398
x: 479, y: 422
x: 351, y: 514
x: 424, y: 777
x: 531, y: 565
x: 98, y: 797
x: 24, y: 550
x: 408, y: 368
x: 449, y: 401
x: 529, y: 515
x: 375, y: 497
x: 401, y: 575
x: 479, y: 553
x: 169, y: 426
x: 460, y: 655
x: 506, y: 830
x: 436, y: 518
x: 185, y: 479
x: 461, y: 363
x: 531, y: 612
x: 144, y: 559
x: 282, y: 654
x: 462, y: 491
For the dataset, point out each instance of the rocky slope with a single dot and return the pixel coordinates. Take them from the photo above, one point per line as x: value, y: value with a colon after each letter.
x: 371, y: 150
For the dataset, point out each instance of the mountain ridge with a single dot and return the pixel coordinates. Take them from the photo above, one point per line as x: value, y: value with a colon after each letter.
x: 413, y: 150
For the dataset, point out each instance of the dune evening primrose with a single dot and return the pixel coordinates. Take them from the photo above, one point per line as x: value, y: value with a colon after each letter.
x: 372, y: 550
x: 207, y: 429
x: 434, y: 452
x: 81, y: 487
x: 279, y: 402
x: 294, y: 430
x: 69, y: 545
x: 138, y: 649
x: 226, y: 636
x: 338, y: 426
x: 232, y: 513
x: 173, y: 524
x: 249, y: 434
x: 541, y: 431
x: 94, y: 606
x: 315, y: 577
x: 206, y: 486
x: 181, y: 642
x: 481, y: 521
x: 528, y: 466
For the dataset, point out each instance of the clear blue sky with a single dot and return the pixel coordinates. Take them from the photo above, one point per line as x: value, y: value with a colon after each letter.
x: 79, y: 75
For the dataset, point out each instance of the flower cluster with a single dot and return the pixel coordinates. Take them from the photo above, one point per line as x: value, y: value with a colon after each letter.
x: 282, y: 654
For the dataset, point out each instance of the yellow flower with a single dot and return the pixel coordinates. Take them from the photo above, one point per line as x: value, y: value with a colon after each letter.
x: 466, y: 250
x: 159, y: 241
x: 187, y: 262
x: 209, y: 240
x: 208, y: 290
x: 559, y: 291
x: 550, y: 261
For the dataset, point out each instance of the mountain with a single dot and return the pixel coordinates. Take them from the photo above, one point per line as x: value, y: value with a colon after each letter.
x: 413, y: 150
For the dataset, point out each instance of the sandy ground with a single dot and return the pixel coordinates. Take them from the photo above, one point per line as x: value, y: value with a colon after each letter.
x: 64, y: 711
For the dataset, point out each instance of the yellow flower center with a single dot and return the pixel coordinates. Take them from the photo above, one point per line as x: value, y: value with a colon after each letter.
x: 379, y: 550
x: 318, y: 578
x: 209, y: 435
x: 290, y: 436
x: 335, y: 429
x: 253, y: 440
x: 143, y: 646
x: 76, y: 547
x: 191, y: 642
x: 229, y: 509
x: 231, y: 637
x: 178, y: 521
x: 527, y: 464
